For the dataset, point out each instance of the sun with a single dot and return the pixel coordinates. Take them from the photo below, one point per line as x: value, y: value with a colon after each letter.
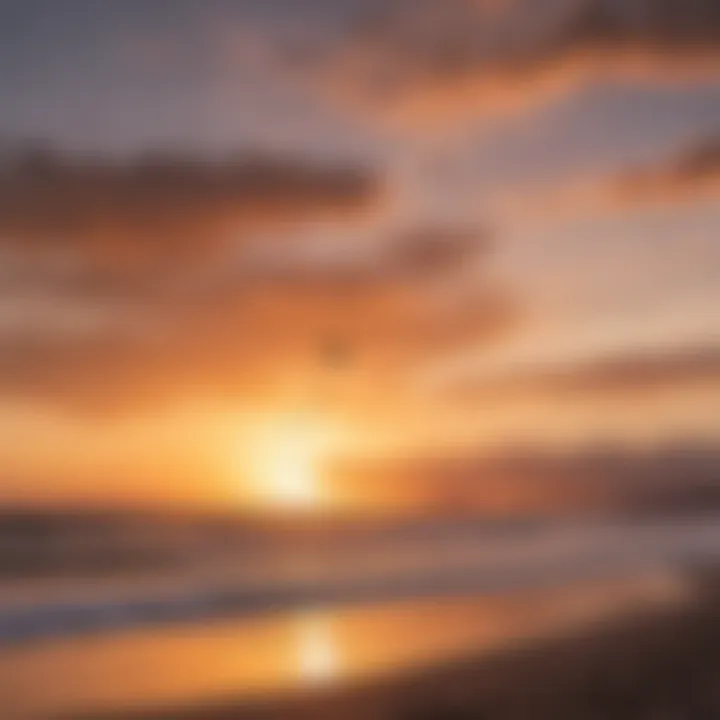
x: 286, y: 455
x: 289, y: 470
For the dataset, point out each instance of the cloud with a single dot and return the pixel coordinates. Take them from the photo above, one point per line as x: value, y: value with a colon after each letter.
x: 667, y: 479
x: 422, y: 61
x: 166, y: 209
x: 690, y: 173
x: 244, y: 345
x: 133, y: 284
x: 436, y: 251
x: 392, y: 307
x: 623, y: 377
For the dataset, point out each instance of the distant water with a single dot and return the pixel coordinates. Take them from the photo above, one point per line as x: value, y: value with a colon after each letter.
x: 78, y: 646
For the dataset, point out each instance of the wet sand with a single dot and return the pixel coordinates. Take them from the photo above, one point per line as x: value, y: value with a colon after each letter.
x: 657, y: 665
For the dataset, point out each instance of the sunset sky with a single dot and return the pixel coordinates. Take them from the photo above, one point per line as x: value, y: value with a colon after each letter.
x: 405, y: 226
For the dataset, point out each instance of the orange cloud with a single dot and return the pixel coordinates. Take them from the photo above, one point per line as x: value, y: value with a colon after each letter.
x: 624, y: 377
x: 692, y: 172
x: 429, y: 61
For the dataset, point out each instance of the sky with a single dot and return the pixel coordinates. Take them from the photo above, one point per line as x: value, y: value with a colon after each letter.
x: 403, y: 227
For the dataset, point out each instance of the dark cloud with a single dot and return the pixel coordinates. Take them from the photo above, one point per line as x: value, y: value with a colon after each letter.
x: 671, y: 26
x: 428, y: 58
x: 166, y: 209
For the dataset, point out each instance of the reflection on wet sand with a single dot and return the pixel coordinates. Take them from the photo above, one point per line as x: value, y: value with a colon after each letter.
x: 318, y: 653
x: 175, y: 665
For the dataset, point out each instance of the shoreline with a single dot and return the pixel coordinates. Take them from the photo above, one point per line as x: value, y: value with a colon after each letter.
x: 659, y: 664
x: 31, y: 612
